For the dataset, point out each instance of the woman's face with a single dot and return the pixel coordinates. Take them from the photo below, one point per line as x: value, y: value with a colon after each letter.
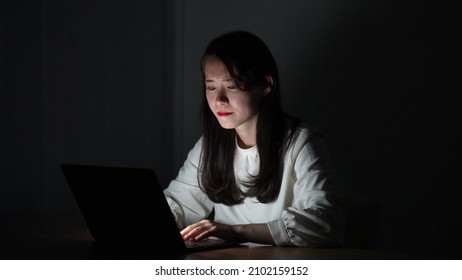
x: 233, y: 107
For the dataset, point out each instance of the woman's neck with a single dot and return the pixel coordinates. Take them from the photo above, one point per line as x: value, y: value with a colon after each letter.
x: 247, y: 134
x: 245, y: 144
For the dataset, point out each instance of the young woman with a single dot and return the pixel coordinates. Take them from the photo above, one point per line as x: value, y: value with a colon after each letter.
x: 264, y: 174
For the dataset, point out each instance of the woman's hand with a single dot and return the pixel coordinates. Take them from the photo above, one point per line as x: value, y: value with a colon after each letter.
x: 258, y: 233
x: 208, y: 228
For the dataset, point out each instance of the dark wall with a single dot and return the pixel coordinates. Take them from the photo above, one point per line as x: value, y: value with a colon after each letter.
x: 386, y: 92
x: 82, y: 82
x: 91, y: 81
x: 385, y: 89
x: 22, y: 159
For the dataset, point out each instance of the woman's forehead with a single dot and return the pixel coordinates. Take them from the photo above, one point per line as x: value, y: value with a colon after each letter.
x: 215, y: 69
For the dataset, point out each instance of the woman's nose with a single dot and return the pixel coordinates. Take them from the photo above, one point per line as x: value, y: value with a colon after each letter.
x: 222, y: 99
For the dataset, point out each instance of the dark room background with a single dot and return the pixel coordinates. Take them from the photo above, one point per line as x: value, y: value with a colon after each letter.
x: 117, y: 83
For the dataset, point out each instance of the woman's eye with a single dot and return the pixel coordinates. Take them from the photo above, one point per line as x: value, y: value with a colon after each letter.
x: 232, y: 87
x: 209, y: 88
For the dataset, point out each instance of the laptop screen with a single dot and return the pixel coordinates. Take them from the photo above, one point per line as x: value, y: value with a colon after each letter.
x: 124, y: 206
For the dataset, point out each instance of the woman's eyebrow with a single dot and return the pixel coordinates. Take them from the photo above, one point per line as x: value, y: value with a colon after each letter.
x: 223, y: 80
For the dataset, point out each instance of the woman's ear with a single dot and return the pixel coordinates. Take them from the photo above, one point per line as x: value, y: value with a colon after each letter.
x: 267, y: 90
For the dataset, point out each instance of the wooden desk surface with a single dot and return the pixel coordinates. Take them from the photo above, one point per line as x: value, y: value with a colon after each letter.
x: 70, y: 243
x: 20, y: 248
x: 246, y: 252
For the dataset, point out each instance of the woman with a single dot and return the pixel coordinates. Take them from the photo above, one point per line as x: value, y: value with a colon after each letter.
x: 263, y: 173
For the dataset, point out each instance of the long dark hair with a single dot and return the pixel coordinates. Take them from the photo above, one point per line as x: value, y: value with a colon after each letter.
x: 249, y: 62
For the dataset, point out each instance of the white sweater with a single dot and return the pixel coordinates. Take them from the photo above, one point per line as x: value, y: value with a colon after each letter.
x: 305, y: 213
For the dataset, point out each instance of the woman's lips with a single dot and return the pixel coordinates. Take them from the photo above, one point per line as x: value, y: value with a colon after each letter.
x: 224, y: 114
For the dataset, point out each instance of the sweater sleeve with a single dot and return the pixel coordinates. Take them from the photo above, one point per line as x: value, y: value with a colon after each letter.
x: 186, y: 199
x: 314, y: 217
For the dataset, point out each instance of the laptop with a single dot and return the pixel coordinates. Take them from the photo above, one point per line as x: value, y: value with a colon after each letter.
x: 126, y: 208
